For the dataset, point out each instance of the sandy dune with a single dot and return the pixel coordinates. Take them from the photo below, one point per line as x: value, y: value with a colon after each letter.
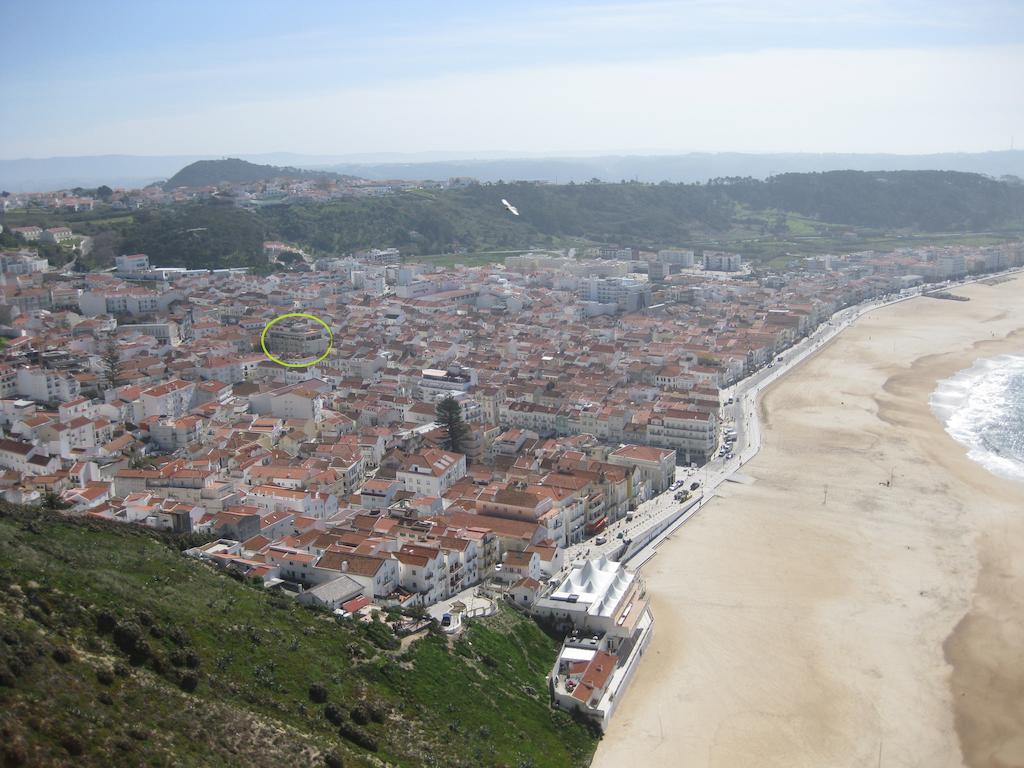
x: 820, y: 617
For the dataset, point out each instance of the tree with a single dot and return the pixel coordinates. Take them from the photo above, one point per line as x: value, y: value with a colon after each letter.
x: 111, y: 362
x: 448, y: 414
x: 104, y: 192
x: 52, y: 501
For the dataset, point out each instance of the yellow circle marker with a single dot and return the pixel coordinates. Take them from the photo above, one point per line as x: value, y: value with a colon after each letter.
x: 263, y: 340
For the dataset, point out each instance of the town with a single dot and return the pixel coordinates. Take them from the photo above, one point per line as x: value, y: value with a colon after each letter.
x: 414, y: 436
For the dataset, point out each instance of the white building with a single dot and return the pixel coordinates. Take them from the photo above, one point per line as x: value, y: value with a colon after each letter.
x: 24, y: 458
x: 172, y: 399
x: 681, y: 258
x: 435, y: 383
x: 691, y: 434
x: 138, y: 262
x: 627, y: 294
x: 716, y: 261
x: 657, y: 466
x: 45, y: 385
x: 292, y: 402
x: 431, y: 472
x: 612, y: 624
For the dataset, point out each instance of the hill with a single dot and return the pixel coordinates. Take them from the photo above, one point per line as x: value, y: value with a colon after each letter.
x: 789, y: 213
x: 205, y: 173
x: 210, y: 234
x: 686, y: 168
x: 118, y: 650
x: 24, y: 175
x: 655, y: 215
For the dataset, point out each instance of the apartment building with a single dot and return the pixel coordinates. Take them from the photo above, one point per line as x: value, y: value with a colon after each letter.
x: 174, y: 434
x: 44, y: 385
x: 627, y: 294
x: 431, y: 472
x: 297, y: 339
x: 722, y: 262
x: 692, y: 435
x: 656, y: 466
x: 172, y: 399
x: 435, y: 382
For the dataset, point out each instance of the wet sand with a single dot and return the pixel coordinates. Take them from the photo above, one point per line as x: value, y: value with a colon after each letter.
x: 825, y: 616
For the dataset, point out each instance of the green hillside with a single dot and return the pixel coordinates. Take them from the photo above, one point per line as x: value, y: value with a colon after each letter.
x: 205, y: 173
x: 790, y: 213
x: 197, y: 235
x: 653, y: 215
x: 117, y: 650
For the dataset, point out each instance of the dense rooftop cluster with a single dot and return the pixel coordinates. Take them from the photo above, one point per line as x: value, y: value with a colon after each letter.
x: 141, y: 395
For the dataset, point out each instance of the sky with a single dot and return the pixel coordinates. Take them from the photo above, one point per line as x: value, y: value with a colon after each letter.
x: 343, y: 78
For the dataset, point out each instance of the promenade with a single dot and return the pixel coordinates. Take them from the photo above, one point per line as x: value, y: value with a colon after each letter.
x: 856, y: 566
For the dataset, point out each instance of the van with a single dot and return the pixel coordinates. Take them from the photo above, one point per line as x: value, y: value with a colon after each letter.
x: 602, y: 539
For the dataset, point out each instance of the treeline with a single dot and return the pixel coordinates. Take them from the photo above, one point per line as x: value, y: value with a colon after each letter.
x: 215, y: 233
x: 925, y: 201
x: 649, y: 214
x: 197, y: 235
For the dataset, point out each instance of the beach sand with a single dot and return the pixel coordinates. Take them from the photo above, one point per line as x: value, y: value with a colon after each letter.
x: 819, y: 617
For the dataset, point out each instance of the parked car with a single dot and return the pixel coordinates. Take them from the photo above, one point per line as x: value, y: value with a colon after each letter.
x: 446, y: 620
x: 694, y: 486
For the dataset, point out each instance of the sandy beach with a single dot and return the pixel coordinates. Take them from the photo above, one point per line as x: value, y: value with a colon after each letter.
x: 822, y: 616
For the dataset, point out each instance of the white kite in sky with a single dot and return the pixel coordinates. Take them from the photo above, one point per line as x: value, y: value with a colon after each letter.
x: 512, y: 209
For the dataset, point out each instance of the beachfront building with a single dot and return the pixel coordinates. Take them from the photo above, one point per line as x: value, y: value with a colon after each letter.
x: 657, y: 466
x: 691, y: 434
x: 606, y: 611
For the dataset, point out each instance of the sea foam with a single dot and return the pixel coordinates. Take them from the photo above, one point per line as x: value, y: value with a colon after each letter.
x: 983, y: 408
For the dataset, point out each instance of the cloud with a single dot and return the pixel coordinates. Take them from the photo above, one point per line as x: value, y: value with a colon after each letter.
x: 906, y: 101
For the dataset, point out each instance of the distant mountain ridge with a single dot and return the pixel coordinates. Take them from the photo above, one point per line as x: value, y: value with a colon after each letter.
x: 135, y: 171
x: 688, y: 168
x: 205, y: 173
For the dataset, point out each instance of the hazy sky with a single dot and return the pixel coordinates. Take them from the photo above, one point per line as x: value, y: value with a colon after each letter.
x: 343, y: 77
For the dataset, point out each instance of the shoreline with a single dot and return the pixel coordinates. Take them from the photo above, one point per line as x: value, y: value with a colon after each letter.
x: 808, y: 652
x: 960, y: 403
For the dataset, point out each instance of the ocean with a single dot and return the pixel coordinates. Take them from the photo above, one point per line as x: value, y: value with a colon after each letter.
x: 983, y: 408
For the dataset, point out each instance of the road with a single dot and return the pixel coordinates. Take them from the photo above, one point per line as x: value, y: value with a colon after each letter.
x: 744, y: 416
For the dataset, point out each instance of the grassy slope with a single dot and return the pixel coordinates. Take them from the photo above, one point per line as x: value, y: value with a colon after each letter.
x: 255, y: 655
